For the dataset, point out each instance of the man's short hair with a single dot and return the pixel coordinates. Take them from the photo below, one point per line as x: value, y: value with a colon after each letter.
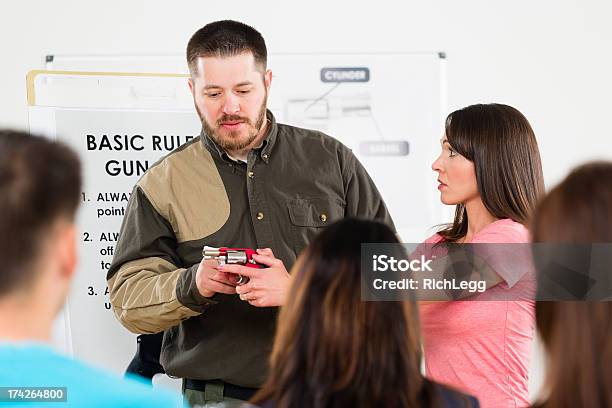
x: 40, y: 182
x: 226, y: 38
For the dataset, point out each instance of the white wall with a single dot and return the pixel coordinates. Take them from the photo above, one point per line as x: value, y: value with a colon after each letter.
x: 550, y: 59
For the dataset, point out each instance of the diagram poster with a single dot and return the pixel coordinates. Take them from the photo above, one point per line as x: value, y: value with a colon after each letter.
x: 388, y: 108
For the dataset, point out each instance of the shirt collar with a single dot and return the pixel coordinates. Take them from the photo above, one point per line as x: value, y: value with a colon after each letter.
x: 264, y: 150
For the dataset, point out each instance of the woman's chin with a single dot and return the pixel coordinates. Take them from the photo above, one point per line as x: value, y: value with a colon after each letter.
x: 447, y: 200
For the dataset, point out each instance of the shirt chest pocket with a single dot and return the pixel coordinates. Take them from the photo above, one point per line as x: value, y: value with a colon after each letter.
x: 308, y: 216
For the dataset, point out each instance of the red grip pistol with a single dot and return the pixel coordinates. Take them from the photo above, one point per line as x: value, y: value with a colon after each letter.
x: 240, y: 256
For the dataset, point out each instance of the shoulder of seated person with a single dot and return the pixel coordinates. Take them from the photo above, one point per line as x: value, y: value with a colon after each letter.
x: 116, y: 389
x: 452, y: 399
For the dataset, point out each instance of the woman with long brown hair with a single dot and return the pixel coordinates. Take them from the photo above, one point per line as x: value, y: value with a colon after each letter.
x: 490, y: 170
x: 577, y: 335
x: 334, y: 350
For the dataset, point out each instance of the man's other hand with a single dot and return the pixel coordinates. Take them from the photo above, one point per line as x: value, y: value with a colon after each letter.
x: 210, y: 280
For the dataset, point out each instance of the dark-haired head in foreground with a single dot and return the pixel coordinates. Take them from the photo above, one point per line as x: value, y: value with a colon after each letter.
x: 577, y: 335
x: 334, y: 350
x: 40, y: 188
x: 40, y: 185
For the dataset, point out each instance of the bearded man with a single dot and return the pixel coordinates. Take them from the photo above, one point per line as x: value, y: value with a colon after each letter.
x: 248, y: 182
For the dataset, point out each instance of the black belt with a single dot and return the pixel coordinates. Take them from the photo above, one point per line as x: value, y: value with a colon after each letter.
x: 229, y: 390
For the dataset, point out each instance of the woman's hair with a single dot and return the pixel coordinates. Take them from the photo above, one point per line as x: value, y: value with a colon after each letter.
x: 577, y: 335
x: 332, y: 349
x: 503, y: 147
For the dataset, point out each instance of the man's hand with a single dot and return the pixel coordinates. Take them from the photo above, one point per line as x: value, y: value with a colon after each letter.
x: 266, y: 287
x: 210, y: 280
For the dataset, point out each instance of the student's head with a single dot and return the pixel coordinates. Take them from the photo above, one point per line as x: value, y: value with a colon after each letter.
x: 332, y: 348
x: 489, y: 153
x: 40, y: 185
x: 229, y: 81
x: 577, y: 335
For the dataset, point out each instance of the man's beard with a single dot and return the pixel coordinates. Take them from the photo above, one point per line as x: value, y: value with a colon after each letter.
x: 230, y: 140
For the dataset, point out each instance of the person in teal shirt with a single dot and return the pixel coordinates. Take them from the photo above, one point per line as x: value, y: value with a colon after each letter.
x: 40, y: 188
x: 25, y: 366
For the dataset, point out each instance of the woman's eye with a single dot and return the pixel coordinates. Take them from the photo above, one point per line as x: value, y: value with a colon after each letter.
x: 451, y: 152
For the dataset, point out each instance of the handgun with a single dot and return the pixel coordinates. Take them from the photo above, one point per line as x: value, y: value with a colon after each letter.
x: 239, y: 256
